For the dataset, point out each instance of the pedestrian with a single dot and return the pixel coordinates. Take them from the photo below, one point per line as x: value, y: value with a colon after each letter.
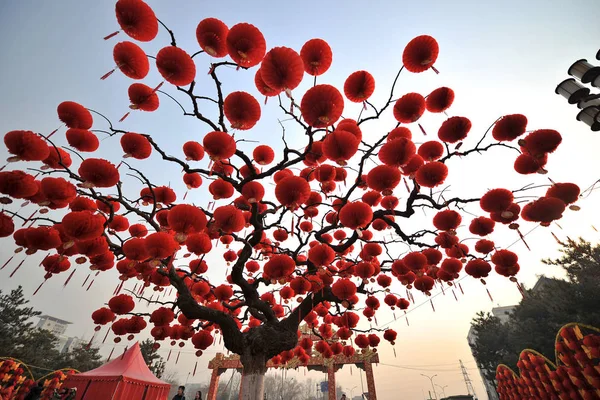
x: 72, y: 394
x: 198, y: 395
x: 35, y: 392
x: 343, y: 397
x: 180, y: 393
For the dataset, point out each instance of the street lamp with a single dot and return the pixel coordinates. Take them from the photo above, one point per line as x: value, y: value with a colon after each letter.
x: 432, y: 386
x: 575, y: 91
x: 443, y: 389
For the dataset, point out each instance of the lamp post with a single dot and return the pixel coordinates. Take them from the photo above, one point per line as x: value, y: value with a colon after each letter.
x: 443, y: 389
x: 432, y: 385
x: 574, y: 90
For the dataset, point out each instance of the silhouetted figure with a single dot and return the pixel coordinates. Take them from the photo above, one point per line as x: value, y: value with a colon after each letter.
x: 180, y: 393
x: 35, y: 392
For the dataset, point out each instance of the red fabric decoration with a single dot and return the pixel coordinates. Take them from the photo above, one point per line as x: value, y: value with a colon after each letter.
x: 121, y: 304
x: 7, y: 226
x: 26, y: 145
x: 131, y: 60
x: 58, y: 192
x: 135, y: 249
x: 359, y: 86
x: 431, y: 150
x: 543, y: 210
x: 57, y: 157
x: 242, y: 110
x: 496, y: 200
x: 160, y: 245
x: 176, y: 66
x: 246, y: 45
x: 484, y: 246
x: 431, y: 174
x: 481, y: 226
x: 193, y: 180
x: 219, y: 145
x: 397, y: 152
x: 282, y: 69
x: 399, y: 132
x: 229, y: 219
x: 82, y: 140
x: 103, y: 316
x: 540, y: 142
x: 279, y: 266
x: 185, y: 218
x: 211, y: 34
x: 409, y: 108
x: 193, y: 151
x: 99, y: 173
x: 316, y: 56
x: 322, y: 106
x: 526, y: 164
x: 339, y: 146
x: 142, y: 97
x: 17, y: 184
x: 454, y: 129
x: 478, y: 268
x: 420, y: 53
x: 292, y: 191
x: 343, y: 289
x: 136, y: 146
x: 509, y: 127
x: 137, y: 19
x: 263, y: 155
x: 356, y: 215
x: 439, y: 100
x: 447, y: 220
x: 83, y: 225
x: 567, y: 192
x: 74, y: 115
x: 383, y: 178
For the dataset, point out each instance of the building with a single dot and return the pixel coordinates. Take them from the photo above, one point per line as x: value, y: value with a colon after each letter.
x: 58, y: 327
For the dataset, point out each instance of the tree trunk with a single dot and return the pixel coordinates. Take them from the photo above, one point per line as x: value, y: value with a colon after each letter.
x: 252, y: 386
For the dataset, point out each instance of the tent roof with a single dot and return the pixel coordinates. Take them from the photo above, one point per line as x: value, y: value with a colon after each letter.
x: 130, y: 365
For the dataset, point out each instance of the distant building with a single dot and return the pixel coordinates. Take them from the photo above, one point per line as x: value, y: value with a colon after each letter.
x: 58, y: 327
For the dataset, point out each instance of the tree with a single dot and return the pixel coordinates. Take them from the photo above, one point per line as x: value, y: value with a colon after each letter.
x: 542, y: 312
x: 322, y: 224
x: 20, y: 339
x: 81, y: 358
x: 153, y: 360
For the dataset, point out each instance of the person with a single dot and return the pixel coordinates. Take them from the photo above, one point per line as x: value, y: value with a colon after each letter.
x: 198, y: 395
x: 72, y: 394
x: 343, y: 397
x: 35, y: 392
x: 60, y: 394
x: 180, y: 393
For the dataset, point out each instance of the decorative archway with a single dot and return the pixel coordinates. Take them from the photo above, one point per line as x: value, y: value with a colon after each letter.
x: 364, y: 360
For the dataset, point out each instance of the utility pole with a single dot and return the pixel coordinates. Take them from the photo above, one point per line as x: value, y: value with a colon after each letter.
x: 468, y: 382
x: 432, y: 385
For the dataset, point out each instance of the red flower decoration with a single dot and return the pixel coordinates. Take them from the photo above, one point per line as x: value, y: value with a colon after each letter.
x: 322, y: 106
x: 137, y: 19
x: 176, y: 66
x: 409, y: 108
x: 359, y: 86
x: 420, y: 53
x: 242, y: 110
x: 246, y: 45
x: 211, y: 34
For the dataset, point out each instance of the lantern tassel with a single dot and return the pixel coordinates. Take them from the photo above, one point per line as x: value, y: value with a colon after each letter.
x: 90, y: 285
x: 431, y: 301
x: 6, y: 263
x: 124, y: 116
x: 111, y: 35
x: 435, y: 69
x: 422, y: 129
x: 110, y: 355
x: 89, y: 345
x: 86, y: 279
x: 169, y: 356
x: 124, y: 351
x: 29, y: 218
x: 395, y: 356
x: 195, y: 366
x: 454, y: 293
x: 39, y: 287
x: 461, y: 289
x: 16, y: 269
x: 69, y: 278
x: 489, y: 295
x: 109, y: 73
x: 105, y: 336
x: 177, y: 359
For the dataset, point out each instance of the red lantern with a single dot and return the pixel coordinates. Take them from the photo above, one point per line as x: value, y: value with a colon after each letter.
x: 74, y: 115
x: 509, y: 127
x: 397, y: 152
x: 26, y: 145
x: 322, y: 106
x: 193, y: 151
x: 131, y: 61
x: 242, y: 110
x: 211, y: 34
x: 219, y: 145
x: 137, y: 19
x: 439, y: 100
x: 496, y: 200
x: 282, y: 69
x: 176, y: 66
x: 431, y: 174
x: 359, y: 86
x: 292, y: 191
x: 246, y: 45
x: 316, y: 56
x: 454, y: 129
x: 99, y: 173
x: 420, y: 54
x: 82, y: 140
x: 356, y: 215
x: 142, y: 97
x: 409, y: 108
x: 136, y: 146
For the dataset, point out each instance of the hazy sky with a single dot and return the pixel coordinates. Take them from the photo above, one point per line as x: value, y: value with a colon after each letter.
x: 499, y: 57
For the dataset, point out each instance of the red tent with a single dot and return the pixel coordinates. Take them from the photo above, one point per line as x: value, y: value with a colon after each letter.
x: 125, y: 378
